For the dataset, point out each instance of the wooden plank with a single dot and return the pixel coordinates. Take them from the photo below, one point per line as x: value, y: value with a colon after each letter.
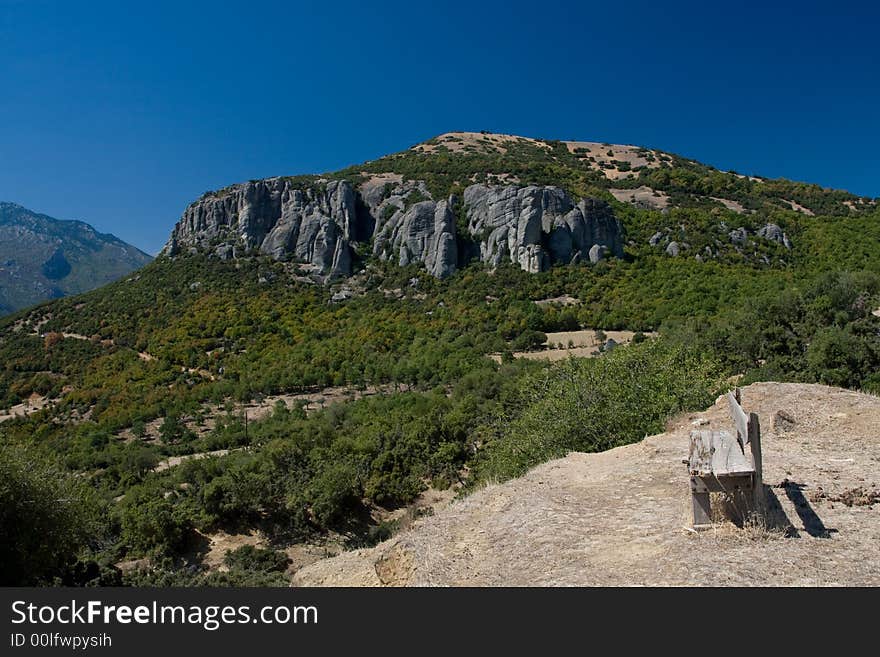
x: 728, y: 457
x: 740, y: 421
x: 727, y: 484
x: 700, y: 455
x: 716, y: 453
x: 702, y: 510
x: 757, y: 459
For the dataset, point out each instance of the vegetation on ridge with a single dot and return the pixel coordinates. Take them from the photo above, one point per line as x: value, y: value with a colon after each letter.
x: 159, y: 365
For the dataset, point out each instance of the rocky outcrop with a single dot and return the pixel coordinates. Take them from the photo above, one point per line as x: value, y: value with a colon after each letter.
x: 537, y: 226
x: 424, y: 233
x: 321, y: 222
x: 774, y: 233
x: 409, y: 227
x: 310, y: 224
x: 739, y: 236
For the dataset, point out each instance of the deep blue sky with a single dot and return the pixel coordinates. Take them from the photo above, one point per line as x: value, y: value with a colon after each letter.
x: 121, y: 113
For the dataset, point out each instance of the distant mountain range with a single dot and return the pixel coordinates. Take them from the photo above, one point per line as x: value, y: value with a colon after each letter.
x: 44, y: 258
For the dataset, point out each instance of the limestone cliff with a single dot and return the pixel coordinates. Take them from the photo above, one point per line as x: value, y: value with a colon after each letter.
x: 320, y: 223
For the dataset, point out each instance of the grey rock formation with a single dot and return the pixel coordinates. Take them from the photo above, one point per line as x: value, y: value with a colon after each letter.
x: 411, y: 231
x: 311, y: 224
x: 423, y: 233
x: 774, y: 233
x: 655, y: 238
x: 537, y: 226
x: 319, y: 223
x: 738, y: 235
x: 673, y: 249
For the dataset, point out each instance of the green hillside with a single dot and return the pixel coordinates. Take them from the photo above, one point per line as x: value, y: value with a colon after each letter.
x: 161, y: 364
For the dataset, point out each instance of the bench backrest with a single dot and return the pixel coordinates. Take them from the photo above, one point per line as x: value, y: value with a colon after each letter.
x: 748, y: 429
x: 740, y: 419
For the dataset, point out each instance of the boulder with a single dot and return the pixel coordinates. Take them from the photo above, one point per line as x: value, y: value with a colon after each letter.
x: 774, y: 233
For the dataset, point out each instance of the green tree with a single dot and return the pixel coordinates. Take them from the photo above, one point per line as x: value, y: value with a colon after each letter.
x: 48, y: 516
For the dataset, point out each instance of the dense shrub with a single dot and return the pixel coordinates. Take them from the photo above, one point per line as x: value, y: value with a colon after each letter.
x: 592, y: 405
x: 47, y: 517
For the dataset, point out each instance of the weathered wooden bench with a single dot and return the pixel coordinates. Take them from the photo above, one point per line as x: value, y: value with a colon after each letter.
x: 721, y: 462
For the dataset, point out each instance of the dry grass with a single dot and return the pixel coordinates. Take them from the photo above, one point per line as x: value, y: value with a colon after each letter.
x: 622, y: 517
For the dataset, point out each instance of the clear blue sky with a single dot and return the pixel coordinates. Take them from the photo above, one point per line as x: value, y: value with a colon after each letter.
x: 120, y: 113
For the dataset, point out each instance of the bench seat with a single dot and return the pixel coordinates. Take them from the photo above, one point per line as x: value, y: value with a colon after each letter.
x: 725, y: 462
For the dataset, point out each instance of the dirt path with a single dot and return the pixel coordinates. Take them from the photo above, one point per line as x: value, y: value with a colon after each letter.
x: 34, y: 403
x: 171, y: 461
x: 622, y: 517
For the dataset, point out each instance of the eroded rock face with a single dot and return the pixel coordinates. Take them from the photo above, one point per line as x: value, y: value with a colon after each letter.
x: 311, y: 224
x: 537, y: 226
x: 421, y: 231
x: 426, y: 233
x: 319, y: 223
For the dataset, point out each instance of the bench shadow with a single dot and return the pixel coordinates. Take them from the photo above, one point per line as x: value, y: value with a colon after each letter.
x: 776, y: 517
x: 794, y: 491
x: 737, y: 509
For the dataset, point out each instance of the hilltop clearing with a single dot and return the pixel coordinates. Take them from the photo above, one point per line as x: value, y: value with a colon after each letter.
x: 621, y: 517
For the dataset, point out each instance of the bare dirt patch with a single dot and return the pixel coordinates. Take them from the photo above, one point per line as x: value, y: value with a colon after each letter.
x: 222, y: 542
x: 616, y: 161
x: 622, y: 517
x: 797, y: 207
x: 579, y: 344
x: 171, y: 461
x: 643, y: 197
x: 563, y: 300
x: 484, y: 142
x: 730, y: 205
x: 32, y: 404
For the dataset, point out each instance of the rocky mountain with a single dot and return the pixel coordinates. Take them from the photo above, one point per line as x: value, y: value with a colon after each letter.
x: 499, y: 199
x: 321, y: 223
x: 340, y: 415
x: 44, y: 258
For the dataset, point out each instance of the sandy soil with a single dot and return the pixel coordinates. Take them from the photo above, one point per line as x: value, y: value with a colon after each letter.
x: 33, y: 404
x: 730, y: 205
x: 643, y: 197
x: 458, y: 142
x: 584, y: 345
x: 797, y: 207
x: 221, y: 542
x: 622, y: 517
x: 597, y: 156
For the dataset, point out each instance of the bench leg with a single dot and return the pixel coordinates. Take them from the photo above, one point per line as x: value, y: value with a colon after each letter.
x: 702, y: 511
x: 743, y: 502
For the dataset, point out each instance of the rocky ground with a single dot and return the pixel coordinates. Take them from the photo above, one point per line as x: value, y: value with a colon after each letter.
x: 622, y: 517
